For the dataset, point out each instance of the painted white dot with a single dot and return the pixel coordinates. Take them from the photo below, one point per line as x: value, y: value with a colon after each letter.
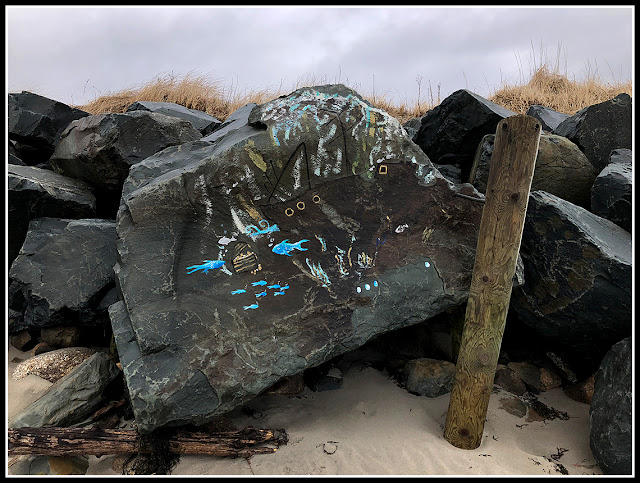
x: 427, y: 264
x: 367, y: 286
x: 358, y: 289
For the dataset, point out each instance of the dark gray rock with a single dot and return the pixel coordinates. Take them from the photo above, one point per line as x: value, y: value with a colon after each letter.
x: 412, y: 126
x: 610, y: 411
x: 508, y: 380
x: 599, y: 129
x: 71, y: 399
x: 203, y: 122
x: 36, y: 193
x: 14, y: 156
x: 624, y: 156
x: 561, y: 169
x: 100, y: 149
x: 529, y: 374
x: 382, y: 242
x: 452, y: 173
x: 451, y: 132
x: 577, y: 290
x: 37, y: 122
x: 63, y: 270
x: 325, y: 377
x: 611, y: 194
x: 236, y: 119
x: 549, y: 118
x: 429, y: 377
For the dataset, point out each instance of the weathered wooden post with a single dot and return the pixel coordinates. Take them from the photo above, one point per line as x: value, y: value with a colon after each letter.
x: 510, y: 175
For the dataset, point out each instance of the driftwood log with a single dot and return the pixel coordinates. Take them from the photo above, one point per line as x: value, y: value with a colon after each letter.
x: 74, y: 441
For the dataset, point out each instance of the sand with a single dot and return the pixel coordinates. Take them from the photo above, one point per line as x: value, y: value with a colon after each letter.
x: 372, y: 426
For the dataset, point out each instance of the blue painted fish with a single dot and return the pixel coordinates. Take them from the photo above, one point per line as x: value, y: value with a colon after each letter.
x: 259, y: 284
x: 278, y: 293
x: 285, y: 287
x: 252, y: 306
x: 253, y: 231
x: 261, y: 294
x: 206, y: 266
x: 236, y: 292
x: 274, y: 286
x: 284, y: 248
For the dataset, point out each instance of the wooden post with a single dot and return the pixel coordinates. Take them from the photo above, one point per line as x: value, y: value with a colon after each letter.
x: 499, y: 236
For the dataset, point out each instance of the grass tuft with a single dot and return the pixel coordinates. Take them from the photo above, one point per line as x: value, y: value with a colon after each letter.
x: 546, y: 86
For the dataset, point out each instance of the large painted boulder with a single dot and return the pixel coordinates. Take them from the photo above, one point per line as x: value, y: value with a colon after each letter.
x: 318, y: 226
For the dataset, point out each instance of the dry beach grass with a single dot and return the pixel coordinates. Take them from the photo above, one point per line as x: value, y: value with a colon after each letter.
x: 546, y: 86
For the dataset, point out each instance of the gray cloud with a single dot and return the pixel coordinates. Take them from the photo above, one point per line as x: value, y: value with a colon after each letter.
x: 76, y: 54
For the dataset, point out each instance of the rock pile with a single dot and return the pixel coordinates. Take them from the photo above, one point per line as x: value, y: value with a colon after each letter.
x: 230, y: 259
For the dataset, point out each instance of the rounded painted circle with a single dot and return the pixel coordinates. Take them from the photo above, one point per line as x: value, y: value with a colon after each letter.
x: 288, y: 212
x: 316, y: 199
x: 300, y: 205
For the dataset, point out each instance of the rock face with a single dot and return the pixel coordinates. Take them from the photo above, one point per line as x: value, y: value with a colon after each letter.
x: 599, y: 129
x: 429, y: 377
x: 549, y: 118
x: 36, y: 193
x: 611, y: 194
x: 201, y: 121
x: 100, y: 149
x: 36, y: 123
x: 610, y: 412
x: 64, y: 269
x: 450, y: 132
x: 236, y: 120
x: 561, y: 169
x: 621, y: 156
x: 72, y: 398
x: 412, y: 126
x: 318, y: 227
x: 577, y: 288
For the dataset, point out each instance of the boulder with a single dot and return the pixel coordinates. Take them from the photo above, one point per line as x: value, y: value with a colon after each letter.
x: 100, y: 149
x: 610, y: 412
x: 412, y: 126
x: 561, y: 169
x: 61, y: 335
x: 621, y: 156
x: 581, y: 391
x: 450, y: 132
x: 429, y: 377
x: 529, y: 374
x: 73, y: 398
x: 14, y: 156
x: 549, y: 380
x: 549, y: 118
x: 599, y: 129
x: 203, y: 122
x: 64, y: 269
x: 53, y: 365
x: 36, y: 193
x: 320, y: 213
x: 577, y: 290
x: 236, y: 119
x: 36, y: 123
x: 508, y: 380
x: 611, y: 194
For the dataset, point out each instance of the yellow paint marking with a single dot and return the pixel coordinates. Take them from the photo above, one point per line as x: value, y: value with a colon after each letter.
x: 255, y: 156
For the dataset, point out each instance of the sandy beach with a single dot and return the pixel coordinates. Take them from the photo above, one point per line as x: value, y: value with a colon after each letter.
x: 372, y: 426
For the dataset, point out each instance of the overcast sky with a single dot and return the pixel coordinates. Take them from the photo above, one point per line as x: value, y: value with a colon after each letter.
x: 75, y: 54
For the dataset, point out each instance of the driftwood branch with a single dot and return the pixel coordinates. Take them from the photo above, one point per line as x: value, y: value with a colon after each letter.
x: 74, y: 441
